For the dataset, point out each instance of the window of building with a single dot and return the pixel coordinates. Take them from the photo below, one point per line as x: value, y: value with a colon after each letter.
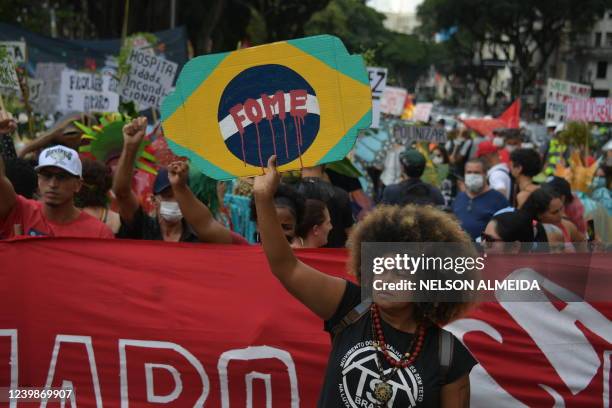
x: 600, y: 93
x: 608, y: 39
x: 597, y: 39
x: 602, y: 69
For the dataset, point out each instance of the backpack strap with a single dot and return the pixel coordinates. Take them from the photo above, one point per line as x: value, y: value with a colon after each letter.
x: 445, y: 352
x: 351, y: 317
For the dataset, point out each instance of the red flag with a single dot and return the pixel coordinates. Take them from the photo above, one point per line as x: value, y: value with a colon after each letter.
x: 512, y: 115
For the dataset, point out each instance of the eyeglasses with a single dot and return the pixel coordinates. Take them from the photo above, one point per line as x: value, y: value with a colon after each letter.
x: 62, y: 176
x: 488, y: 238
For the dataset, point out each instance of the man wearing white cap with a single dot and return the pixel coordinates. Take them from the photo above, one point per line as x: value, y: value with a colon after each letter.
x: 59, y: 179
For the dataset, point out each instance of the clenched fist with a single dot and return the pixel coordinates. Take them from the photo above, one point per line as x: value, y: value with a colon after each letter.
x: 178, y: 173
x: 7, y: 123
x: 134, y: 132
x: 265, y: 185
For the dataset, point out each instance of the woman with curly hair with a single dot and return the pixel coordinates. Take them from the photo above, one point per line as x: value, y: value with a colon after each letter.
x: 390, y: 356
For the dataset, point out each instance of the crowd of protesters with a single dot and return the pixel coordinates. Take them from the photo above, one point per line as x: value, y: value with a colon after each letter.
x: 489, y: 196
x: 60, y: 194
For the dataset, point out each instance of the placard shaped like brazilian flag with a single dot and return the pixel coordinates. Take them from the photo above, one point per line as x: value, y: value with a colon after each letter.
x: 303, y: 100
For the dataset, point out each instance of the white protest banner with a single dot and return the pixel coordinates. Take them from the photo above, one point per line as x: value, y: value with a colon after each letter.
x: 50, y: 73
x: 9, y: 83
x: 392, y: 100
x: 420, y: 133
x: 558, y: 92
x: 149, y: 80
x: 16, y: 49
x: 422, y: 111
x: 378, y: 82
x: 86, y: 92
x: 596, y: 110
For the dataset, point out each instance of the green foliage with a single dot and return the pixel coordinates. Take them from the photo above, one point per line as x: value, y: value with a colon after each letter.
x: 576, y: 134
x: 362, y: 31
x: 524, y: 32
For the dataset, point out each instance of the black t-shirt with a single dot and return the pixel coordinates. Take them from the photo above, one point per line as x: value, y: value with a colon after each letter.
x: 412, y: 191
x: 147, y: 228
x: 339, y: 206
x: 352, y: 370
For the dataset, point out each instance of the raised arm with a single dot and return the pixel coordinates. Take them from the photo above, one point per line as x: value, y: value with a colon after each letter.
x: 133, y: 133
x: 55, y: 136
x: 7, y: 192
x: 319, y: 292
x: 196, y: 213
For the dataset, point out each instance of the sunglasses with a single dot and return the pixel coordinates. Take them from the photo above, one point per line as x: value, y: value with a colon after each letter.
x: 47, y: 176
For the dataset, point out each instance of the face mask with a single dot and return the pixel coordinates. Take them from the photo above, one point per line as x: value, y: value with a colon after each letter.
x: 510, y: 148
x: 598, y: 182
x: 474, y: 182
x: 498, y: 141
x: 527, y: 146
x: 170, y: 211
x: 437, y: 160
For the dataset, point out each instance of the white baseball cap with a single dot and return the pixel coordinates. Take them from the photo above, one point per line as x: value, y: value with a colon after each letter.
x: 61, y: 156
x: 551, y: 124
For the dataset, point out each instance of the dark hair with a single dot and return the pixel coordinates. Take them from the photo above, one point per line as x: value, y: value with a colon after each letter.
x: 413, y: 171
x: 478, y: 161
x: 514, y: 226
x: 562, y: 187
x: 411, y: 223
x: 528, y: 159
x: 22, y: 176
x: 539, y: 201
x: 97, y: 181
x: 442, y: 150
x: 314, y: 214
x: 288, y: 197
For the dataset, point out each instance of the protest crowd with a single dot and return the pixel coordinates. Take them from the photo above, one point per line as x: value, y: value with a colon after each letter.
x: 98, y: 170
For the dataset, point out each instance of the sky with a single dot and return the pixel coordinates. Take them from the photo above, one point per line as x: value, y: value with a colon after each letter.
x: 406, y: 6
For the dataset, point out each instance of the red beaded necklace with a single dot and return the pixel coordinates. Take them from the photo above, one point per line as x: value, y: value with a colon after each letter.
x: 411, y: 353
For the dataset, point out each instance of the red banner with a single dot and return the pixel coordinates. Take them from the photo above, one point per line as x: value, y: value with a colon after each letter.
x: 190, y: 325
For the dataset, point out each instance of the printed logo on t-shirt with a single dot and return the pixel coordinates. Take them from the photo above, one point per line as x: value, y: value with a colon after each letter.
x: 360, y: 375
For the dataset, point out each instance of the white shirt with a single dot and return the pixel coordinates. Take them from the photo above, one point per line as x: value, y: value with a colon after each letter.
x: 499, y: 178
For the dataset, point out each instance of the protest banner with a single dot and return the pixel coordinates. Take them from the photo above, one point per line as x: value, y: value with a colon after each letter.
x: 422, y: 111
x: 35, y: 87
x: 86, y: 92
x: 595, y: 110
x: 393, y: 100
x: 378, y: 82
x: 16, y: 49
x: 419, y: 133
x: 154, y: 324
x: 558, y: 92
x: 149, y: 79
x: 50, y: 74
x: 303, y: 100
x: 9, y: 82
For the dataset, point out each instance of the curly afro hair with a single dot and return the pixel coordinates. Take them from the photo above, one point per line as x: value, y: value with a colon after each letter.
x: 411, y: 223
